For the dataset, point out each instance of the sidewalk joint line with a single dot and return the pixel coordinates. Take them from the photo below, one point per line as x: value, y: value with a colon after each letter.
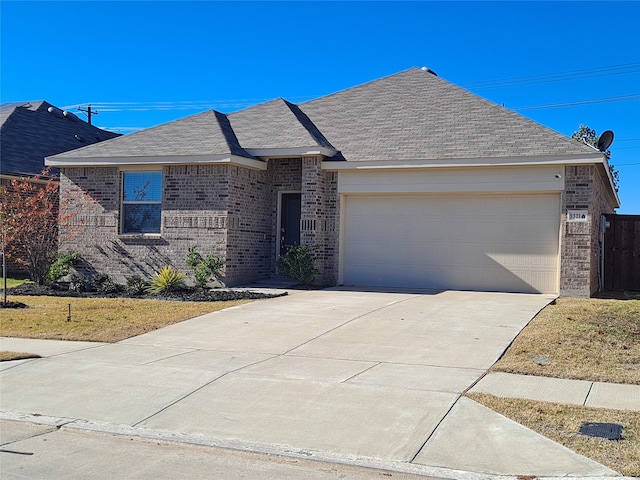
x: 584, y: 404
x: 348, y: 322
x: 435, y: 429
x: 360, y: 373
x: 179, y: 354
x: 171, y: 404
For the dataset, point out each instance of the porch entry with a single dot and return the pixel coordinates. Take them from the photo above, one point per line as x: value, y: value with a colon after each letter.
x: 290, y: 210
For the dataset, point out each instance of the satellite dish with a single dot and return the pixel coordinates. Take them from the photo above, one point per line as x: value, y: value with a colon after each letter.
x: 605, y: 140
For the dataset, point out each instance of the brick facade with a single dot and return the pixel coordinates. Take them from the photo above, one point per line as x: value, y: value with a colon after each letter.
x: 585, y: 189
x: 234, y: 211
x: 230, y: 209
x: 319, y: 218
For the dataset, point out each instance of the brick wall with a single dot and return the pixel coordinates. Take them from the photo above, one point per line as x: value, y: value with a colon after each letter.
x: 194, y: 214
x: 319, y: 222
x: 250, y: 243
x: 229, y: 209
x: 585, y: 189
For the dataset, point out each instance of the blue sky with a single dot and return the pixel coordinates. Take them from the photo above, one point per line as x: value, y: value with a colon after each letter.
x: 145, y: 63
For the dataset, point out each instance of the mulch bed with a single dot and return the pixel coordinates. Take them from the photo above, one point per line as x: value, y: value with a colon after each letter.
x: 185, y: 295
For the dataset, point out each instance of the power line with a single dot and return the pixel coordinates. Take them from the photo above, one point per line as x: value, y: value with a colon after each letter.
x: 620, y: 69
x: 624, y: 98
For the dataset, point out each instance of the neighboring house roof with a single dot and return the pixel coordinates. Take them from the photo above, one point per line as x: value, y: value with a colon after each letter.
x: 29, y: 133
x: 412, y: 115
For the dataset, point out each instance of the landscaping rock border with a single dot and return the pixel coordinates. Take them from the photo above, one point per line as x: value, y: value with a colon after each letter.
x: 184, y: 295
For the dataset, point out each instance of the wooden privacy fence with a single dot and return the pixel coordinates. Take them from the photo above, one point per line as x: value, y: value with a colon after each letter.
x: 622, y: 253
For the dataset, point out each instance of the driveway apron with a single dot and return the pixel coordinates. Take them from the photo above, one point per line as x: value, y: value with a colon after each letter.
x: 346, y: 373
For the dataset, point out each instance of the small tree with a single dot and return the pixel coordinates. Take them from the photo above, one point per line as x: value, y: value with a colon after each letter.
x: 31, y: 213
x: 590, y: 137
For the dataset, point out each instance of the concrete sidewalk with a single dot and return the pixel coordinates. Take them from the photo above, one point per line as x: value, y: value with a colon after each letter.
x: 544, y: 389
x: 557, y: 390
x: 350, y: 377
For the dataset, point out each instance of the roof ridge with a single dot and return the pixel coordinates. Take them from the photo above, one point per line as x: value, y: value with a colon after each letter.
x: 364, y: 84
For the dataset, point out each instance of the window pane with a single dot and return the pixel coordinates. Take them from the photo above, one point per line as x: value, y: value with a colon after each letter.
x: 142, y: 187
x: 141, y: 218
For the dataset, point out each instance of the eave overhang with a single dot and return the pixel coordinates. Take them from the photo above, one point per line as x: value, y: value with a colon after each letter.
x: 252, y: 163
x: 461, y: 162
x: 291, y: 152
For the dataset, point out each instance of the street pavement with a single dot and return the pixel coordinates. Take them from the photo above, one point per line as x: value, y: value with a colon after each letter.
x: 367, y: 379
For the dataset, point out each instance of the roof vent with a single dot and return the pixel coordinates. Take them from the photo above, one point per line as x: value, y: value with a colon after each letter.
x: 55, y: 111
x: 71, y: 116
x: 79, y: 138
x: 428, y: 70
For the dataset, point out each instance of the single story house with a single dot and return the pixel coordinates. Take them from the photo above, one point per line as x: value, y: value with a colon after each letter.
x: 406, y: 181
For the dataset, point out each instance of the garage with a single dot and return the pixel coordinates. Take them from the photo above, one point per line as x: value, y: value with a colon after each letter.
x: 467, y: 241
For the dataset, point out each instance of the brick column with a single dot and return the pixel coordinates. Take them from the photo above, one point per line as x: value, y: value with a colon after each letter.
x: 319, y: 217
x: 580, y: 247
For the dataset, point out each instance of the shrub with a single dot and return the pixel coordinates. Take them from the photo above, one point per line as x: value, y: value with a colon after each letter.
x: 297, y: 263
x: 102, y: 282
x: 204, y: 269
x: 166, y: 280
x: 9, y: 304
x: 137, y: 285
x: 77, y: 283
x: 62, y: 265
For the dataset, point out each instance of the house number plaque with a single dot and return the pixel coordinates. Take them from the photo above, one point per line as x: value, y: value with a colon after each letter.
x: 577, y: 215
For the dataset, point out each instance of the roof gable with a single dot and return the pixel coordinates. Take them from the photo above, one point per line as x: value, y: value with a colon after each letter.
x: 276, y: 124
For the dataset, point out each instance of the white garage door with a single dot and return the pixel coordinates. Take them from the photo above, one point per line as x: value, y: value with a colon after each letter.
x: 464, y: 242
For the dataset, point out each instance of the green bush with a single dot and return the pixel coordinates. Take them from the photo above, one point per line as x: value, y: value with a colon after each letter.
x: 62, y: 264
x: 297, y: 263
x: 102, y: 282
x: 204, y: 269
x: 166, y: 280
x: 137, y: 285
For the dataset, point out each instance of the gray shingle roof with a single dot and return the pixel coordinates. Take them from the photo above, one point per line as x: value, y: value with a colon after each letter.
x: 276, y: 124
x: 29, y: 133
x: 409, y: 116
x: 207, y: 133
x: 416, y: 115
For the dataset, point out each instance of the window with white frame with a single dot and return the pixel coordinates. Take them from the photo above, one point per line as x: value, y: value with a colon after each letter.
x: 141, y: 202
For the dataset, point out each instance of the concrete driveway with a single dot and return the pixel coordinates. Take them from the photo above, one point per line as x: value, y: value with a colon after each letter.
x: 365, y: 377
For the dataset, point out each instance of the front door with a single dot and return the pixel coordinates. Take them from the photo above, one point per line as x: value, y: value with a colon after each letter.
x: 289, y: 220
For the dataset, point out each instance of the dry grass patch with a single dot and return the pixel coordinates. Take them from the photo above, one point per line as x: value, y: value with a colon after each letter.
x: 582, y: 338
x: 97, y: 319
x: 561, y: 423
x: 6, y: 356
